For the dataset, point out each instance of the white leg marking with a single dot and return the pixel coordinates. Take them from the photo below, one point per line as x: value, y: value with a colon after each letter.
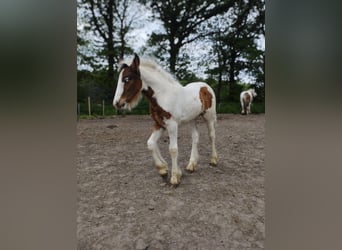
x: 211, y: 130
x: 152, y: 145
x: 176, y: 173
x: 194, y: 151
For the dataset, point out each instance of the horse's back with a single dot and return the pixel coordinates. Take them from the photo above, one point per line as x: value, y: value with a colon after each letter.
x: 203, y: 95
x: 199, y: 85
x: 246, y: 96
x: 195, y: 87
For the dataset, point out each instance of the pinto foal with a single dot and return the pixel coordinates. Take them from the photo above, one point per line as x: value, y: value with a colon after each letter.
x: 170, y: 105
x: 246, y: 98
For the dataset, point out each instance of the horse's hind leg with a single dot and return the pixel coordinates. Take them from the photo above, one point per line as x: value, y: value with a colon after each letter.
x: 243, y: 111
x: 152, y: 145
x: 249, y: 108
x: 194, y: 151
x: 211, y: 121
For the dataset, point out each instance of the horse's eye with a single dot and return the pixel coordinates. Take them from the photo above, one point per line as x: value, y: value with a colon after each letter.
x: 126, y: 79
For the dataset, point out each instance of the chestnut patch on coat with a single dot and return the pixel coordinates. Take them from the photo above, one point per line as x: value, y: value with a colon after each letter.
x: 158, y: 114
x: 206, y: 98
x: 246, y: 98
x: 132, y: 84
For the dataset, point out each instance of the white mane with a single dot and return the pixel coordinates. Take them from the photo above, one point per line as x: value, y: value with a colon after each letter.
x: 151, y: 70
x: 252, y: 92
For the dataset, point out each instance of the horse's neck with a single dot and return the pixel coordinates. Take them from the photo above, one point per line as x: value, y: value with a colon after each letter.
x: 157, y: 82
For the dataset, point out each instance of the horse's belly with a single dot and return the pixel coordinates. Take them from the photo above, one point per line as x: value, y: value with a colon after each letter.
x: 189, y: 110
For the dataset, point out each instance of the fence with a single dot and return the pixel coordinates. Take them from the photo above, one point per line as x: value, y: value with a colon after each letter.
x: 89, y: 109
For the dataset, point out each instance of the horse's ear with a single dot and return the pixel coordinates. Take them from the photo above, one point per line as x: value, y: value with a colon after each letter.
x: 122, y: 66
x: 136, y: 62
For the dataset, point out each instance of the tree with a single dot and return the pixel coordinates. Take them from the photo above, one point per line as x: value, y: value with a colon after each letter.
x: 111, y: 21
x: 234, y: 42
x: 181, y: 20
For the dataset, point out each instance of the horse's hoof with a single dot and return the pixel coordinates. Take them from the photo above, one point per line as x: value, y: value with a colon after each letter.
x: 213, y: 161
x: 164, y: 176
x: 175, y: 180
x: 191, y: 167
x: 162, y: 172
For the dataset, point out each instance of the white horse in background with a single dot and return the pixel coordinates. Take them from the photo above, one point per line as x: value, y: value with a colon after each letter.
x: 246, y: 98
x: 170, y: 105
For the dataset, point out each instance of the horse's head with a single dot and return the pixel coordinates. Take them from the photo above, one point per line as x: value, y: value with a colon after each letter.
x: 253, y: 92
x: 128, y: 90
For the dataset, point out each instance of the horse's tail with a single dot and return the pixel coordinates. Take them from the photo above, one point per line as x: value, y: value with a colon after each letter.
x: 245, y: 104
x: 246, y: 98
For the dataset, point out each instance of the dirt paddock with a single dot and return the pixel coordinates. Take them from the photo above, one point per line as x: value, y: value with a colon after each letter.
x: 123, y: 203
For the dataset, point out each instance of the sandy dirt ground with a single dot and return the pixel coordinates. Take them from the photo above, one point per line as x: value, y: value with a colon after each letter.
x: 123, y: 203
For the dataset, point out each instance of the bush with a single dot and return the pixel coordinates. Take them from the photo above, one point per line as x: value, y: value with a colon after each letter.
x: 96, y: 109
x: 235, y: 108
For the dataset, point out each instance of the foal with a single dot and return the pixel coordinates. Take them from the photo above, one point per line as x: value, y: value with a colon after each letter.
x: 170, y: 105
x: 246, y: 98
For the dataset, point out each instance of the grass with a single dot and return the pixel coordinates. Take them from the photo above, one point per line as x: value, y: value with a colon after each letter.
x: 143, y: 109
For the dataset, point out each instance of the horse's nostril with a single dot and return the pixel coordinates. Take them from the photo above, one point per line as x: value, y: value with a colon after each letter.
x: 118, y: 105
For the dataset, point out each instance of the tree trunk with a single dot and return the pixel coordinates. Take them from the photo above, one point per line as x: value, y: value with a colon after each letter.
x: 231, y: 74
x: 232, y: 68
x: 111, y: 62
x: 122, y: 39
x: 218, y: 89
x: 110, y: 41
x: 122, y: 49
x: 173, y: 58
x: 174, y: 51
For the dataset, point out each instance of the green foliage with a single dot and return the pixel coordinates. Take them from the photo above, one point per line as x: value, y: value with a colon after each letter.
x: 234, y: 43
x: 190, y: 77
x: 228, y: 107
x: 143, y: 109
x: 234, y: 92
x: 87, y: 117
x: 95, y: 84
x: 235, y: 108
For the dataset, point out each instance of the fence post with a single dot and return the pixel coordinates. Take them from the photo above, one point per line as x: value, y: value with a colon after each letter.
x: 78, y: 110
x: 89, y: 110
x: 103, y: 107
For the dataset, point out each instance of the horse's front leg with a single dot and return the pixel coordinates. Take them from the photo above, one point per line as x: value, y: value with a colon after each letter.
x: 194, y: 151
x: 176, y: 173
x: 152, y: 145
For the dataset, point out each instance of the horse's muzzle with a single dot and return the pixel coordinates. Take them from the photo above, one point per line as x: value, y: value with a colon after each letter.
x: 119, y: 105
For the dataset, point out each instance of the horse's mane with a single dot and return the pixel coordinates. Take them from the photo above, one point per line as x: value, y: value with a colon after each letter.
x: 153, y: 66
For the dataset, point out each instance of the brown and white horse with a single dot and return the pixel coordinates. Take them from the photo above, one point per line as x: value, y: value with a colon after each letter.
x: 246, y: 98
x: 170, y: 105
